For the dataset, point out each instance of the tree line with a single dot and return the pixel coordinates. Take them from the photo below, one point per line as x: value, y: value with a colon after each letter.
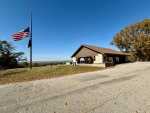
x: 135, y: 39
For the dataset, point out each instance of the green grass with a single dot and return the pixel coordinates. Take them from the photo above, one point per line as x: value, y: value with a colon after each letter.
x: 44, y: 72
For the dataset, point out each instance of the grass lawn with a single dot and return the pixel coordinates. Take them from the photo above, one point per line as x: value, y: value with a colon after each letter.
x: 25, y: 74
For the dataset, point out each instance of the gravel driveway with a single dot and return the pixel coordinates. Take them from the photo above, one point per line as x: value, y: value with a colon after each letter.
x: 122, y: 89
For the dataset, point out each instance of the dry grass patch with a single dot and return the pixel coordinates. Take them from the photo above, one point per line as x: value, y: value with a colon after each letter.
x: 24, y: 74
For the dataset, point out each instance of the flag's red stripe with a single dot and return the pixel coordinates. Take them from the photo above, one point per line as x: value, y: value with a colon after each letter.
x: 20, y: 35
x: 21, y: 32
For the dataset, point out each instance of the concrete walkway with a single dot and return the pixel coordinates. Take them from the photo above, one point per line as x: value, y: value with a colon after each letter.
x: 122, y: 89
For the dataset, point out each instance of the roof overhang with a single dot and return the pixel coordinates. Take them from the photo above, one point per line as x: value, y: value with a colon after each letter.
x: 109, y: 53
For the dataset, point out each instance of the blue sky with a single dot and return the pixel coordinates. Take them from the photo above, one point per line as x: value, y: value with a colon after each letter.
x: 61, y: 26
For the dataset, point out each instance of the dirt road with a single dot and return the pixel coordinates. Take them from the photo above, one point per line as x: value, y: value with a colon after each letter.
x: 122, y: 89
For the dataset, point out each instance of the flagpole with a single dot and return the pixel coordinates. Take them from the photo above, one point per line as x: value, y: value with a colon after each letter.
x: 31, y: 43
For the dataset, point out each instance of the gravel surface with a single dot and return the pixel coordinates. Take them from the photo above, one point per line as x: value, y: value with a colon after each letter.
x: 121, y: 89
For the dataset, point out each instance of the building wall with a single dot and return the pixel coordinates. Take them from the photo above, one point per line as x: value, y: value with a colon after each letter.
x: 98, y: 59
x: 85, y: 52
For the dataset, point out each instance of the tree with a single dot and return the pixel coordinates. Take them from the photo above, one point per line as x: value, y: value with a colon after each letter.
x: 8, y: 57
x: 135, y: 39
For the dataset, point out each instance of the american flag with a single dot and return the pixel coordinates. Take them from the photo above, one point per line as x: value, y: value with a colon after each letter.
x: 22, y: 34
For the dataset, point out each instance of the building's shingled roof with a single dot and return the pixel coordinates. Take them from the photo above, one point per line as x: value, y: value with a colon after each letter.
x: 101, y: 50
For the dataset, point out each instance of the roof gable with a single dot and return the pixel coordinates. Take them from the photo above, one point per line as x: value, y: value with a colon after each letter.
x: 100, y: 50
